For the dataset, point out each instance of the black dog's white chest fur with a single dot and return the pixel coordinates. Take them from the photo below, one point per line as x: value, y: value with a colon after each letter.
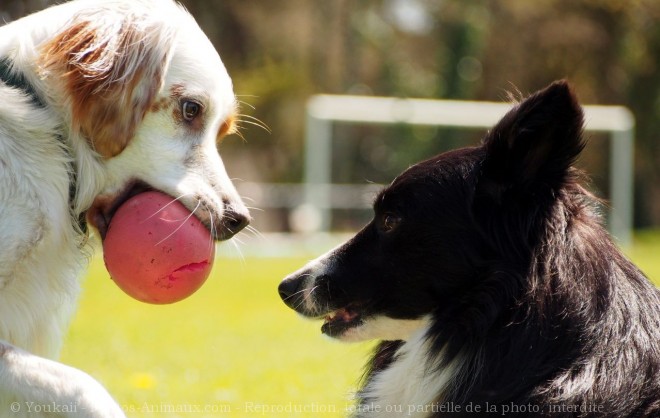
x: 413, y: 384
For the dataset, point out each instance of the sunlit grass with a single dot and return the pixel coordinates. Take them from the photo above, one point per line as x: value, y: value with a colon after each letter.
x: 231, y: 350
x: 646, y: 254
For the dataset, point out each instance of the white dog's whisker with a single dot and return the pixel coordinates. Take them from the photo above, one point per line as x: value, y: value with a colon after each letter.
x: 166, y: 206
x: 211, y: 223
x: 243, y: 102
x: 183, y: 222
x: 235, y: 242
x: 249, y: 199
x: 251, y: 120
x: 254, y: 231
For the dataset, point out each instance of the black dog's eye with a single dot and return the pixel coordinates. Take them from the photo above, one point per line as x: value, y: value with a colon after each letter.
x: 190, y: 110
x: 389, y: 222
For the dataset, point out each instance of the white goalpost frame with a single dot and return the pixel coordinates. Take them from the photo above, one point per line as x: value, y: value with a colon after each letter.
x: 324, y: 110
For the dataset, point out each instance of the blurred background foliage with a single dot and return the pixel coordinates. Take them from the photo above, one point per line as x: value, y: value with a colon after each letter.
x: 279, y: 52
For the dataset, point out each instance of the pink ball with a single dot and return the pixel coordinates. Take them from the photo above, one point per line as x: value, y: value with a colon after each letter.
x: 156, y: 250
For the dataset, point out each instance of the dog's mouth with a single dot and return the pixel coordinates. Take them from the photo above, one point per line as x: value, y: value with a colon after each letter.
x: 104, y: 207
x: 338, y: 322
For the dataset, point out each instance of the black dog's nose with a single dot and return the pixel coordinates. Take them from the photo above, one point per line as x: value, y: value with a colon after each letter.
x: 232, y: 222
x: 291, y: 292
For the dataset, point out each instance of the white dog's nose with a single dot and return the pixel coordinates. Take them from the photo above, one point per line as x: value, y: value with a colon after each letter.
x: 233, y: 220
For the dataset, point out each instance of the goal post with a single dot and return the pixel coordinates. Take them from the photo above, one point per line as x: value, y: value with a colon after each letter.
x: 324, y: 110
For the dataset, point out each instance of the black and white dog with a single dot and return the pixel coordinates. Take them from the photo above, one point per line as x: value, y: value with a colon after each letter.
x: 488, y: 276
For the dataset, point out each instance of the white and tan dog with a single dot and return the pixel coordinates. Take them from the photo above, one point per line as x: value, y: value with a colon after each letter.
x: 98, y: 101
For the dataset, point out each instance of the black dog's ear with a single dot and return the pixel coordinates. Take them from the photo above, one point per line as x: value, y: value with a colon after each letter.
x: 535, y: 143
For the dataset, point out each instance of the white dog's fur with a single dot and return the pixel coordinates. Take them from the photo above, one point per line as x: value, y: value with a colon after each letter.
x: 101, y: 108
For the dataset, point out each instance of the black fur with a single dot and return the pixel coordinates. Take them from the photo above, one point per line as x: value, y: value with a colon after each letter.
x: 504, y: 248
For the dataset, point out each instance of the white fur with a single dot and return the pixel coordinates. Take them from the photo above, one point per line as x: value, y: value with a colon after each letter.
x: 411, y: 386
x: 41, y: 252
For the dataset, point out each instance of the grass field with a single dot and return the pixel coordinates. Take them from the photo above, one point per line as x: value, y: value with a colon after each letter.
x: 231, y: 350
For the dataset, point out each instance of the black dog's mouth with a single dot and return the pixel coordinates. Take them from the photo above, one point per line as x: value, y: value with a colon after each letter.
x: 341, y: 320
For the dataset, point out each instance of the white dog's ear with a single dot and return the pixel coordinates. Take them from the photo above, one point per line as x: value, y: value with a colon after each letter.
x: 110, y: 65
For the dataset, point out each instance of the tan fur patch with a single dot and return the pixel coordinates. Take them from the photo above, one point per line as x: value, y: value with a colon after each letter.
x: 111, y: 72
x: 160, y: 104
x: 177, y: 91
x: 229, y: 126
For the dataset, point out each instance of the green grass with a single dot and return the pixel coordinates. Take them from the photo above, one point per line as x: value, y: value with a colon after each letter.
x: 232, y: 347
x: 646, y: 254
x: 231, y: 350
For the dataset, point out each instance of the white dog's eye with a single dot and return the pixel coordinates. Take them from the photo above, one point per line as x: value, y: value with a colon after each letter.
x: 190, y: 110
